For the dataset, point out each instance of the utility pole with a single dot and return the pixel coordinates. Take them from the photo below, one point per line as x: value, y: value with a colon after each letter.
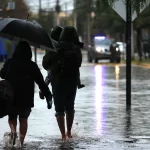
x: 35, y: 48
x: 40, y: 7
x: 1, y: 13
x: 75, y: 14
x: 88, y: 29
x: 66, y: 8
x: 128, y: 53
x: 48, y: 4
x: 132, y: 39
x: 57, y: 8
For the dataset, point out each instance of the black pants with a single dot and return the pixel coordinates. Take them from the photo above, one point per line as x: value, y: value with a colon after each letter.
x: 64, y: 97
x: 23, y: 113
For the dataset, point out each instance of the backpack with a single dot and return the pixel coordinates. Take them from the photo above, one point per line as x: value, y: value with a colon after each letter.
x: 6, y: 98
x: 48, y: 60
x: 50, y: 57
x: 69, y: 61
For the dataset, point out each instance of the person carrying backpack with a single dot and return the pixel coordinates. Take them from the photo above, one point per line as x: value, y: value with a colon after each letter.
x: 64, y: 79
x: 50, y: 56
x: 22, y: 73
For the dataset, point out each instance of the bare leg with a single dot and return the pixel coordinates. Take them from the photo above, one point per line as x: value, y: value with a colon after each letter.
x: 79, y: 83
x: 61, y: 124
x: 13, y: 125
x: 69, y: 121
x: 23, y: 129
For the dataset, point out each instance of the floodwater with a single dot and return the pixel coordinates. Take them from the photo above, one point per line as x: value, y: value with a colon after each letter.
x: 102, y: 121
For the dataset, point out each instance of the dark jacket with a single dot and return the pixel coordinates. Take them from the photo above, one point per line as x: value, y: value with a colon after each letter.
x: 50, y: 55
x: 22, y: 73
x: 55, y: 33
x: 68, y: 40
x: 56, y: 76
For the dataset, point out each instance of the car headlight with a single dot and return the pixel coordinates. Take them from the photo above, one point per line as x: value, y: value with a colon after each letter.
x: 117, y: 49
x: 98, y: 49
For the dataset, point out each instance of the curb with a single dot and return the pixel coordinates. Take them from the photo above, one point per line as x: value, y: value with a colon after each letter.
x: 142, y: 65
x: 146, y: 65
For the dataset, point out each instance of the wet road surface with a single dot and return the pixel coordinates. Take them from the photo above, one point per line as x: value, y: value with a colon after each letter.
x: 102, y: 121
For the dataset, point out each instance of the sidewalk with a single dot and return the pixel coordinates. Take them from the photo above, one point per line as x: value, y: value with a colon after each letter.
x: 143, y: 63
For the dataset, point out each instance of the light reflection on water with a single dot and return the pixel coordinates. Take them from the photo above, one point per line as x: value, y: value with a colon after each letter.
x: 99, y: 99
x: 117, y: 73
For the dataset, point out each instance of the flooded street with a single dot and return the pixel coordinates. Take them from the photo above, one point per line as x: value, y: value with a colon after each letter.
x: 102, y: 121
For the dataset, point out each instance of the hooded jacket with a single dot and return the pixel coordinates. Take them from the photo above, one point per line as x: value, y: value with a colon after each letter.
x: 69, y: 39
x: 50, y: 56
x: 22, y: 73
x: 66, y: 41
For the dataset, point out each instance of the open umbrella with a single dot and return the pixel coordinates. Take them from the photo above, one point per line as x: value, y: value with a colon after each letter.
x: 24, y: 30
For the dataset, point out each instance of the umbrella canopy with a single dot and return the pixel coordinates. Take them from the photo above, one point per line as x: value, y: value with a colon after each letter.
x: 24, y: 30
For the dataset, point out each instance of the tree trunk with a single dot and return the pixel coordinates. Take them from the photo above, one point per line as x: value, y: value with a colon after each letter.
x: 139, y: 43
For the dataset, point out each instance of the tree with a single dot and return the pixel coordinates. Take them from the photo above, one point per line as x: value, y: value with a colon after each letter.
x: 46, y: 20
x: 135, y: 4
x: 104, y: 16
x: 143, y: 21
x: 21, y: 9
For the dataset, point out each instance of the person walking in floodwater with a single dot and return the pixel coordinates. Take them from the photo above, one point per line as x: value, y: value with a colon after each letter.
x: 22, y: 73
x: 65, y: 78
x: 49, y: 57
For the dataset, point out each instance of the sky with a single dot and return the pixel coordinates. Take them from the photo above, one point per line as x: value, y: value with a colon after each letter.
x: 48, y: 4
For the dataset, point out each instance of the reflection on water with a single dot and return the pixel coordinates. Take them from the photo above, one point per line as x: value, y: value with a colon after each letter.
x: 117, y: 73
x: 128, y: 122
x: 99, y: 98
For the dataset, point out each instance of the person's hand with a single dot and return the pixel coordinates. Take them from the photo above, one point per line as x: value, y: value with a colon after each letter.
x: 81, y: 86
x: 49, y: 101
x: 41, y: 95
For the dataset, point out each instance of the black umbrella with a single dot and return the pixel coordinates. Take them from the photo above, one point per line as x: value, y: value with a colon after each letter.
x: 24, y: 30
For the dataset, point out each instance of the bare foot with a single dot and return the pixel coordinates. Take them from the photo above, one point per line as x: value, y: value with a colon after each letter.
x: 64, y: 138
x: 69, y: 135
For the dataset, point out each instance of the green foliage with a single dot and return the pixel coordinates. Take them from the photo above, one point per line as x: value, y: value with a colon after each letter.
x: 104, y: 17
x: 106, y: 20
x: 46, y: 20
x: 135, y: 4
x: 143, y: 19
